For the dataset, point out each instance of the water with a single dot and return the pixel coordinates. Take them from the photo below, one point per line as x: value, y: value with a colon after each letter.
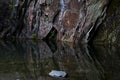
x: 30, y: 60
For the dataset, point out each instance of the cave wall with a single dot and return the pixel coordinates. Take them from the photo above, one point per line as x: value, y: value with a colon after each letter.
x: 74, y: 20
x: 66, y: 20
x: 8, y: 18
x: 109, y: 30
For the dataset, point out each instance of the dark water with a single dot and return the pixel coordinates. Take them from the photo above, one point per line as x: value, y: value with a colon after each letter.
x: 30, y: 60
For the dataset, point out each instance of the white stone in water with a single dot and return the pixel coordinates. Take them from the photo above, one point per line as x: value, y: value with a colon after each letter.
x: 55, y: 73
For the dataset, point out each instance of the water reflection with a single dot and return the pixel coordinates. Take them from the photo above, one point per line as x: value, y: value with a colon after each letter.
x: 30, y: 60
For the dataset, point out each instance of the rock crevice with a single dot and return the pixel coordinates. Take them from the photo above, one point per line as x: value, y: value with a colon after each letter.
x: 74, y: 20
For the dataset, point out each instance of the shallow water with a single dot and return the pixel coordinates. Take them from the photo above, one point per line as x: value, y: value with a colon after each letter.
x: 30, y: 60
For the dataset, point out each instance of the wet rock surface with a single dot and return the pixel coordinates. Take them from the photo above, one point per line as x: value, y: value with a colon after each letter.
x: 74, y: 20
x: 66, y: 20
x: 109, y: 31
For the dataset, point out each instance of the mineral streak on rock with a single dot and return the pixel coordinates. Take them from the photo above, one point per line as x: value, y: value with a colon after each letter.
x: 62, y: 6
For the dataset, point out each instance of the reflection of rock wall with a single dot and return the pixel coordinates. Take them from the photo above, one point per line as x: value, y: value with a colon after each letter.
x: 34, y: 60
x: 78, y: 62
x: 25, y: 60
x: 109, y: 58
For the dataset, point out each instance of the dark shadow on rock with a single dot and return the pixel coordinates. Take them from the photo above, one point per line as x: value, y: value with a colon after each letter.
x: 109, y: 58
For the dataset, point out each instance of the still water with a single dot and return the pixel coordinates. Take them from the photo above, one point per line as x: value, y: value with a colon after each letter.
x: 30, y: 60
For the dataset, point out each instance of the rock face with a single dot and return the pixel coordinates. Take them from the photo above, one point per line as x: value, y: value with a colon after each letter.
x: 80, y: 19
x: 66, y: 20
x: 7, y: 18
x: 38, y: 18
x: 74, y: 20
x: 109, y: 31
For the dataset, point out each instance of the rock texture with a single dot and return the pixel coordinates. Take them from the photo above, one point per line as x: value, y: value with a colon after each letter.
x: 66, y: 20
x: 74, y: 20
x: 38, y: 18
x: 7, y: 18
x: 80, y: 19
x: 109, y: 31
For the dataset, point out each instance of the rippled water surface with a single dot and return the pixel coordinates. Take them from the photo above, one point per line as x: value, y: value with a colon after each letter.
x: 30, y: 60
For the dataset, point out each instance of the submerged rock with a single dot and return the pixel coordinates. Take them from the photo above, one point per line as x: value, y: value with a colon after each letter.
x: 55, y: 73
